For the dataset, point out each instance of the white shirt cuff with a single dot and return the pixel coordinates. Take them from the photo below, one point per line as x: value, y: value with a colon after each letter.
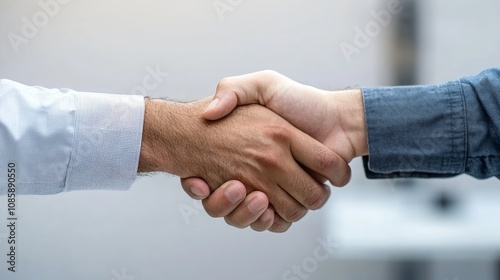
x: 106, y: 143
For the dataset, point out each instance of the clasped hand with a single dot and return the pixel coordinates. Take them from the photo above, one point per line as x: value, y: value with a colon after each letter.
x: 271, y: 171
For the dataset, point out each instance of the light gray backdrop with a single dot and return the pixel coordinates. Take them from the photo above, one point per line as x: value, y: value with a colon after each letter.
x: 111, y: 46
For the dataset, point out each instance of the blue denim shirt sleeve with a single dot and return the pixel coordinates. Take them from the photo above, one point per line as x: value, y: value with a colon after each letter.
x: 434, y: 131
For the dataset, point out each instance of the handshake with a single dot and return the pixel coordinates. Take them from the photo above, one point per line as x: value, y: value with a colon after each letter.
x: 263, y: 164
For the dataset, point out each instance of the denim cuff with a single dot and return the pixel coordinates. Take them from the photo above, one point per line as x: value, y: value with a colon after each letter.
x: 415, y: 131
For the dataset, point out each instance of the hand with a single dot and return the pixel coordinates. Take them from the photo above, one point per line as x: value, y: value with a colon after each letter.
x: 334, y: 118
x: 252, y: 145
x: 237, y: 212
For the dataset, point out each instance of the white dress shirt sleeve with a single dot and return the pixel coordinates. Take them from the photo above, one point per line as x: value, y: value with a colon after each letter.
x: 61, y: 140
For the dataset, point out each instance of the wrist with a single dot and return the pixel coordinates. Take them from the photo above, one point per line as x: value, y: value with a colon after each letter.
x: 161, y: 119
x: 148, y: 159
x: 173, y: 137
x: 351, y: 112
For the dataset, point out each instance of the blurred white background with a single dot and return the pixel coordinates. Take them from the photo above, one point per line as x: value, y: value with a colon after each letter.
x: 410, y: 229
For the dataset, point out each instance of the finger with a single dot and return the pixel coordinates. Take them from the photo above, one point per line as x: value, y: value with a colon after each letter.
x: 249, y: 211
x: 196, y: 188
x: 301, y: 186
x: 286, y: 201
x: 265, y: 221
x: 279, y: 225
x: 320, y: 179
x: 296, y: 182
x: 239, y: 90
x: 225, y: 199
x: 318, y: 158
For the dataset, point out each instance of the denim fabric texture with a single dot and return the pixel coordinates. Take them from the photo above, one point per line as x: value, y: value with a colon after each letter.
x: 434, y: 131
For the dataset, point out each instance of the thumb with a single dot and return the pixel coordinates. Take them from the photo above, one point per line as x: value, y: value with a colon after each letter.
x: 238, y: 90
x: 222, y: 104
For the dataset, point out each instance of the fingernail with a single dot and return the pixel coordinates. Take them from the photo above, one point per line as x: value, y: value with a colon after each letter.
x: 233, y: 194
x: 213, y: 104
x: 256, y: 205
x: 196, y: 192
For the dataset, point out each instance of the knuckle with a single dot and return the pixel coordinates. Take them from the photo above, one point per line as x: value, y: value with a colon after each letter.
x: 270, y: 74
x: 295, y: 214
x: 268, y: 158
x: 271, y: 151
x: 224, y: 82
x: 278, y: 132
x: 316, y: 198
x: 326, y: 160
